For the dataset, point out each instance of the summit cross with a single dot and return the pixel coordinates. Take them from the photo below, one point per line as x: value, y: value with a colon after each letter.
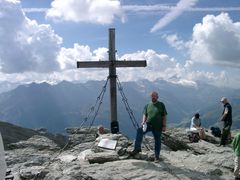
x: 112, y: 64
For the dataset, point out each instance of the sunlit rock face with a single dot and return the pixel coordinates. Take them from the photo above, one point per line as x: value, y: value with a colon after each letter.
x: 41, y: 158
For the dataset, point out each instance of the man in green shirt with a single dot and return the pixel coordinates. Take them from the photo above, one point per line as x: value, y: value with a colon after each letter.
x: 236, y: 148
x: 154, y: 116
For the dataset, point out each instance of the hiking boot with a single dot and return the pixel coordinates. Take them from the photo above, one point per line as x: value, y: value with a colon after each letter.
x: 135, y: 151
x: 157, y: 160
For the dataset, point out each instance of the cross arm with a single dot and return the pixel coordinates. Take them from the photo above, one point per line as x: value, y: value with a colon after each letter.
x: 93, y: 64
x: 105, y: 64
x: 135, y: 63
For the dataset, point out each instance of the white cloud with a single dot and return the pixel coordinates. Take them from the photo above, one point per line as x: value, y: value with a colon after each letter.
x: 101, y: 54
x: 158, y: 8
x: 174, y: 41
x: 147, y: 8
x: 35, y: 10
x: 24, y: 44
x: 68, y: 56
x: 214, y: 9
x: 93, y: 11
x: 161, y: 66
x: 13, y: 1
x: 216, y: 41
x: 181, y: 6
x: 31, y: 52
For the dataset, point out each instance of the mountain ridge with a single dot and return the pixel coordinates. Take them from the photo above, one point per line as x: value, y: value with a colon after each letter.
x: 66, y: 104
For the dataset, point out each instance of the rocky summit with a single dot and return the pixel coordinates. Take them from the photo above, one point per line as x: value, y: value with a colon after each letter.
x: 81, y: 158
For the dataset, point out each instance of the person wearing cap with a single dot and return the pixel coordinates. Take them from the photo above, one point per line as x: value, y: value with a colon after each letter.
x: 154, y: 115
x: 227, y: 120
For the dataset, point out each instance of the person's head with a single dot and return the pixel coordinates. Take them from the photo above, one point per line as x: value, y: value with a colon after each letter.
x: 154, y: 96
x: 224, y: 100
x: 197, y: 115
x: 101, y: 129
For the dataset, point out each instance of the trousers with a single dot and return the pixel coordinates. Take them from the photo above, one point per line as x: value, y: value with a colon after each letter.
x: 225, y: 135
x: 156, y: 135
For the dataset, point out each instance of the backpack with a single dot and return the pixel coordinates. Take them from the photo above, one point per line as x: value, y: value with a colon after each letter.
x: 216, y: 131
x: 194, y: 137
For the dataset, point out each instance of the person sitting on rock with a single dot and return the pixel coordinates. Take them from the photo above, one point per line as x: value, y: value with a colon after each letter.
x: 236, y: 148
x: 196, y: 126
x: 100, y: 131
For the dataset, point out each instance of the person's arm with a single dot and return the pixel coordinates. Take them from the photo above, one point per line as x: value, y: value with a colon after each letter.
x: 164, y: 118
x: 195, y: 126
x: 144, y: 119
x: 224, y: 114
x: 164, y: 123
x: 193, y: 121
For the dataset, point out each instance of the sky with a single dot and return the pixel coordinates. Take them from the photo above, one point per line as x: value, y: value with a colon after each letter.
x: 183, y: 41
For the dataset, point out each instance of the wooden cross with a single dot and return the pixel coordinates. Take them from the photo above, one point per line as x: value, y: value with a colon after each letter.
x: 112, y: 63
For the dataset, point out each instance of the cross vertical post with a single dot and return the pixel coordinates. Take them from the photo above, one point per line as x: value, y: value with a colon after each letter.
x: 112, y: 77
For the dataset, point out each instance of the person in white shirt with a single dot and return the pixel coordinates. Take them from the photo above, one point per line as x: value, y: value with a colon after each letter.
x: 196, y: 126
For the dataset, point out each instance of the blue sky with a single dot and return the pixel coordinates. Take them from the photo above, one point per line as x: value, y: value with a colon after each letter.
x: 183, y: 41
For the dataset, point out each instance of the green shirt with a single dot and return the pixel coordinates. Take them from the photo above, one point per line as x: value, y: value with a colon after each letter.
x: 236, y: 144
x: 154, y: 114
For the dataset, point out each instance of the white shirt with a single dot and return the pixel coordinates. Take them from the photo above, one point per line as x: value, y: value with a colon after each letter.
x: 195, y: 122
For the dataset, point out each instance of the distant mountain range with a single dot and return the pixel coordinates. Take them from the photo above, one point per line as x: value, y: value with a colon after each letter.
x: 12, y: 134
x: 66, y: 104
x: 7, y: 86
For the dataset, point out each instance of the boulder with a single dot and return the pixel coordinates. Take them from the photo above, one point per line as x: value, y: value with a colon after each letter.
x: 102, y: 157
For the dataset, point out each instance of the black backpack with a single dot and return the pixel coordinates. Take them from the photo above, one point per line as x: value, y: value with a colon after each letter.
x: 216, y: 131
